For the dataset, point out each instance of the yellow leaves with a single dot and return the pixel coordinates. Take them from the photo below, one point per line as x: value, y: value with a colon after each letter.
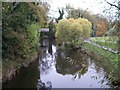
x: 86, y: 26
x: 73, y: 30
x: 84, y: 22
x: 72, y: 20
x: 76, y: 26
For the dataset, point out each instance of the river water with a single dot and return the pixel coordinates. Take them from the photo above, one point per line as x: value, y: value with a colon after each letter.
x: 61, y: 68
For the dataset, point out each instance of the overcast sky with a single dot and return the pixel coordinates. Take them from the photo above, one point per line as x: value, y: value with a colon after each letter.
x: 93, y: 6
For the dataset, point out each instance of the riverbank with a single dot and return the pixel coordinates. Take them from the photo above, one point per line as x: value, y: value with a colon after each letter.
x: 102, y: 46
x: 11, y: 68
x: 78, y: 64
x: 103, y: 56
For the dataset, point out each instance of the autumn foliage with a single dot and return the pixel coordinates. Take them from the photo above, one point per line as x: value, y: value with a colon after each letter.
x: 101, y: 28
x: 73, y: 31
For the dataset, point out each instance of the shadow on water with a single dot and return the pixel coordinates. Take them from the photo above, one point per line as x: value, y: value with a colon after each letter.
x: 62, y: 68
x: 27, y: 77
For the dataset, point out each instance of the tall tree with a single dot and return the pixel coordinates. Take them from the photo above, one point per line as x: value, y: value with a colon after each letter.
x: 18, y: 37
x: 113, y: 10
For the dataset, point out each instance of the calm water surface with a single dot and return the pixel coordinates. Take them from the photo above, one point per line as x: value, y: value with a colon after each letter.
x: 61, y: 68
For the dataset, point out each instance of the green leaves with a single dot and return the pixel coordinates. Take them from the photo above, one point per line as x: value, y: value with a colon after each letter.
x: 33, y: 34
x: 20, y: 32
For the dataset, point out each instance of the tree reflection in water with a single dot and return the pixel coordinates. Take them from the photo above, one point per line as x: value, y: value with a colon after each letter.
x: 69, y: 62
x: 47, y: 58
x: 64, y: 66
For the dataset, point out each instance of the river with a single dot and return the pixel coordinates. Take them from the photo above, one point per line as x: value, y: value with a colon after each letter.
x: 61, y: 68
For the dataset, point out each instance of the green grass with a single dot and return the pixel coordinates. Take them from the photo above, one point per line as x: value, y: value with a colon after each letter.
x: 113, y: 46
x: 101, y: 52
x: 103, y: 56
x: 111, y: 39
x: 110, y: 60
x: 109, y: 42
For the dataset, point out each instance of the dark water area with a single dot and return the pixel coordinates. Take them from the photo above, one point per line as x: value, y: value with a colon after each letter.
x: 26, y: 78
x: 61, y: 68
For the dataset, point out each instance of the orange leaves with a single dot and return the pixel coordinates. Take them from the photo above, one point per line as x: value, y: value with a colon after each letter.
x: 101, y: 28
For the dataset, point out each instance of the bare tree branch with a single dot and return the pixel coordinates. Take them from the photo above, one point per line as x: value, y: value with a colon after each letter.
x: 112, y: 4
x: 15, y: 4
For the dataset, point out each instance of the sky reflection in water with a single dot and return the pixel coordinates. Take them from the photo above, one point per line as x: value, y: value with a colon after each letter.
x: 55, y: 68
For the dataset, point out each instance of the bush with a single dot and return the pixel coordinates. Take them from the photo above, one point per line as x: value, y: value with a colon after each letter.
x: 73, y: 31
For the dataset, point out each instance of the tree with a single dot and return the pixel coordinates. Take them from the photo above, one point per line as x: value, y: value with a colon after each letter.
x: 21, y: 22
x: 73, y: 31
x: 77, y: 13
x: 101, y: 29
x: 94, y: 19
x: 114, y: 6
x: 74, y: 13
x: 110, y: 9
x: 62, y: 31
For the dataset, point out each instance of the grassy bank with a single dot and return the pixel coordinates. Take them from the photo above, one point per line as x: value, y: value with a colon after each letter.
x: 109, y: 42
x: 110, y: 61
x: 112, y: 38
x: 101, y: 52
x: 113, y: 46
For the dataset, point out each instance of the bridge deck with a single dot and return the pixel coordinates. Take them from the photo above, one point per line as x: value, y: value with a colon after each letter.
x: 44, y: 30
